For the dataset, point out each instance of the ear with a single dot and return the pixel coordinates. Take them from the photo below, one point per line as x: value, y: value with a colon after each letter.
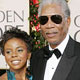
x: 68, y: 21
x: 29, y: 55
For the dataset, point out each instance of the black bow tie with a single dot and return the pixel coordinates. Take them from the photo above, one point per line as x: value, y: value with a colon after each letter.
x: 48, y: 53
x: 56, y: 52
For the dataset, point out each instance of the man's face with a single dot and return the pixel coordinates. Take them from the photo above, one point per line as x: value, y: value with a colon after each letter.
x: 54, y: 32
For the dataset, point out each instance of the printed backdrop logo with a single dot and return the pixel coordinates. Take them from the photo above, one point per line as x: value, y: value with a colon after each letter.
x: 68, y: 0
x: 75, y: 19
x: 13, y: 13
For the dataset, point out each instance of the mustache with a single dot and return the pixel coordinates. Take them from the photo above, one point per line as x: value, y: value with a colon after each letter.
x: 51, y: 32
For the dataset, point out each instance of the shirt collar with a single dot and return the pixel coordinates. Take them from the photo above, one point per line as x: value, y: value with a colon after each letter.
x: 62, y: 45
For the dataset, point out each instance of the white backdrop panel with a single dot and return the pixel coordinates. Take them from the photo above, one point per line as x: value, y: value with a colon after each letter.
x: 13, y: 13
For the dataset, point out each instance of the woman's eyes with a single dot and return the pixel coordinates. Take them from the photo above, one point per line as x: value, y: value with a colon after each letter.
x: 20, y: 50
x: 8, y: 52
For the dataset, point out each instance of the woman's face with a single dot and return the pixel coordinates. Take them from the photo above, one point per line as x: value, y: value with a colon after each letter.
x: 15, y: 51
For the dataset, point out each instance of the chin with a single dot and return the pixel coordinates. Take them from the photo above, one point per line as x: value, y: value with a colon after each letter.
x: 18, y: 67
x: 53, y: 42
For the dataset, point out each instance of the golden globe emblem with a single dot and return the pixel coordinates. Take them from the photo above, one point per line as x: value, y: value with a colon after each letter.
x: 67, y: 0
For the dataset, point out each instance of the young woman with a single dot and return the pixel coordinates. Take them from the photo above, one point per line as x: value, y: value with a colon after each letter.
x: 15, y: 46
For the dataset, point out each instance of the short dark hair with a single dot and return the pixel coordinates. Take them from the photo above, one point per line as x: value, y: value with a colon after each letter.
x: 16, y: 33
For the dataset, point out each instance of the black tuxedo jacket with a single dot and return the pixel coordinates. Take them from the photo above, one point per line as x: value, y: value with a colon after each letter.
x: 68, y: 67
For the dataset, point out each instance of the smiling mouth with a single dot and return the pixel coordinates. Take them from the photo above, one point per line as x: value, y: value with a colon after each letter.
x: 53, y: 34
x: 15, y: 62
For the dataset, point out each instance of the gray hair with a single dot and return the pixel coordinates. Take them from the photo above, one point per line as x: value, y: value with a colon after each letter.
x: 62, y: 3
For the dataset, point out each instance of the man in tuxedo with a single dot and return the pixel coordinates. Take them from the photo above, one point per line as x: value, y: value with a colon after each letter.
x: 60, y: 60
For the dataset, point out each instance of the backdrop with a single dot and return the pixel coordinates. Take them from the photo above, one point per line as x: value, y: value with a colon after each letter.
x: 13, y: 13
x: 16, y: 12
x: 74, y: 30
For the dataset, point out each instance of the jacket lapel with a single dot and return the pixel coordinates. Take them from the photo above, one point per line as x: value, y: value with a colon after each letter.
x: 66, y: 62
x: 42, y: 63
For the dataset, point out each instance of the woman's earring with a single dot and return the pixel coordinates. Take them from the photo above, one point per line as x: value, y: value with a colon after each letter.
x: 6, y: 67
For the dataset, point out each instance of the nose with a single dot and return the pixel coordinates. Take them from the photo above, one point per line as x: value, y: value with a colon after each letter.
x: 50, y: 24
x: 14, y: 54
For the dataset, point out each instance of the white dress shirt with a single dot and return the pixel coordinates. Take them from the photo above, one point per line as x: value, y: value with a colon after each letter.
x: 53, y: 62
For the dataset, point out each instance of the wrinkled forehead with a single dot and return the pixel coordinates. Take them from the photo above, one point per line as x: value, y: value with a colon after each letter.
x: 51, y: 9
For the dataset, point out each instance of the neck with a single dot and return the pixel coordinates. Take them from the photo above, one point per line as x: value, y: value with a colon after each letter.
x: 20, y: 74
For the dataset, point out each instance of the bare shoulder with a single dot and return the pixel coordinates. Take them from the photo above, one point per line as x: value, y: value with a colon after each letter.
x: 3, y: 77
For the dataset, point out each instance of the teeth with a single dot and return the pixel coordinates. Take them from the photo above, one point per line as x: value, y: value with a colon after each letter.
x: 15, y: 62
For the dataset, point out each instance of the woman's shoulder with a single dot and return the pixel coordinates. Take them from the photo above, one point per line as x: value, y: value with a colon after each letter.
x: 3, y: 77
x: 29, y: 77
